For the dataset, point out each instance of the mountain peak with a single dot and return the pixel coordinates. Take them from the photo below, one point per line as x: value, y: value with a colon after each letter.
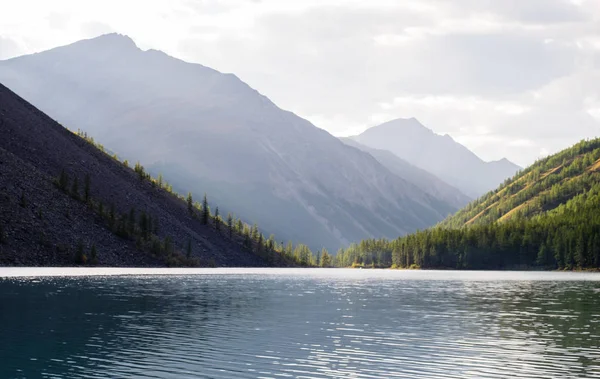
x: 411, y: 124
x: 114, y: 41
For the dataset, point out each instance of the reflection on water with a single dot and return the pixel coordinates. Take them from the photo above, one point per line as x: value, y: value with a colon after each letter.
x: 301, y: 323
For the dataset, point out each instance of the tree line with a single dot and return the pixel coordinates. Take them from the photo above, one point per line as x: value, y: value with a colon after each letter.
x: 146, y: 228
x: 555, y: 226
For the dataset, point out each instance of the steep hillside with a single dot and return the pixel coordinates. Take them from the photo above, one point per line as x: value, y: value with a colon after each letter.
x: 546, y: 217
x: 440, y: 155
x: 210, y: 132
x: 426, y: 181
x: 540, y: 188
x: 64, y: 202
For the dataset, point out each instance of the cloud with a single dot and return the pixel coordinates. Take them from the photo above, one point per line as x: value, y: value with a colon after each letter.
x: 8, y: 48
x: 506, y: 78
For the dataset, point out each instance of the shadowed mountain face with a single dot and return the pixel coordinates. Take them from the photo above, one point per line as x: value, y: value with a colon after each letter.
x: 440, y: 155
x: 210, y: 132
x: 426, y: 181
x: 42, y: 225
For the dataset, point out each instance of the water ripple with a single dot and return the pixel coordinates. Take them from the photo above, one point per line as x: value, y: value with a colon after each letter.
x: 300, y: 325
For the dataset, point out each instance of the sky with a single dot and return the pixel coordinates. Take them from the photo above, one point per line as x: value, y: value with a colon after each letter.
x: 512, y: 78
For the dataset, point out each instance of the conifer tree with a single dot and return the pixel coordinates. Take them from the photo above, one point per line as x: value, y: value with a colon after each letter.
x: 230, y: 225
x: 190, y: 203
x: 75, y: 188
x: 94, y: 255
x: 63, y: 181
x: 205, y: 211
x: 131, y: 222
x: 259, y: 243
x: 79, y: 255
x: 144, y: 225
x: 86, y: 189
x: 160, y: 181
x: 111, y: 216
x: 189, y: 248
x: 217, y: 220
x: 254, y: 232
x: 325, y: 258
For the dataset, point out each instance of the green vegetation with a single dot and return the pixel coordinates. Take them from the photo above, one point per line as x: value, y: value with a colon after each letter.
x: 144, y: 230
x: 547, y: 217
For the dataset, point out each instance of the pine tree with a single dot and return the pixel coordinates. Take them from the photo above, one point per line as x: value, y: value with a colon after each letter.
x: 190, y: 203
x: 63, y: 181
x: 230, y: 225
x: 254, y: 232
x: 217, y: 220
x: 160, y: 181
x: 205, y: 211
x: 86, y: 189
x: 94, y: 255
x: 155, y: 226
x: 144, y: 225
x: 111, y: 216
x: 247, y: 240
x: 80, y: 257
x: 259, y: 243
x: 75, y: 188
x: 189, y: 248
x: 131, y: 222
x: 325, y: 258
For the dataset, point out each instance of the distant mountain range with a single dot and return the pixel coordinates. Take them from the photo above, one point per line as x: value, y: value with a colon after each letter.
x: 209, y: 132
x: 439, y: 155
x: 424, y: 180
x: 545, y: 217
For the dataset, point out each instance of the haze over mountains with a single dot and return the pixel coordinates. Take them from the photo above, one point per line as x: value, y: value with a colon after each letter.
x: 210, y: 132
x: 426, y: 181
x: 44, y: 224
x: 439, y: 155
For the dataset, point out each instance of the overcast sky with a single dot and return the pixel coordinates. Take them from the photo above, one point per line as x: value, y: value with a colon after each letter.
x: 507, y: 78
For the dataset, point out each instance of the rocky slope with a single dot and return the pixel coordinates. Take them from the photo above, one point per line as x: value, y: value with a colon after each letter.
x: 42, y: 225
x: 210, y: 132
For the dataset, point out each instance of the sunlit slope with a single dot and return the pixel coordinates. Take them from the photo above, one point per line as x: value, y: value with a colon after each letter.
x: 546, y: 185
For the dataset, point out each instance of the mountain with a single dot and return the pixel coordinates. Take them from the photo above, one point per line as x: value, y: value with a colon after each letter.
x: 63, y: 198
x: 209, y: 132
x: 547, y: 216
x: 440, y: 155
x: 542, y: 187
x: 424, y: 180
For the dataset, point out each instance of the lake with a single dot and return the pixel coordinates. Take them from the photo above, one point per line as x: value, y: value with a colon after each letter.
x: 297, y: 323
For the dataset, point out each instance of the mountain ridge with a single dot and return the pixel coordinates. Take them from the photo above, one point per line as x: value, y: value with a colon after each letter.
x: 213, y: 133
x: 59, y: 192
x: 440, y: 155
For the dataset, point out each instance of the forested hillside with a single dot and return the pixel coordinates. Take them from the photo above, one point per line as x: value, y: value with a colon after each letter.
x: 547, y: 216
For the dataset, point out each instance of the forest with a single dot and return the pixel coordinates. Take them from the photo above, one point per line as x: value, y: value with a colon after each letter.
x: 546, y: 217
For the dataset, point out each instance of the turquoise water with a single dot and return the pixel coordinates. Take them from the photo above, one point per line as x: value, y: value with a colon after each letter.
x: 306, y: 323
